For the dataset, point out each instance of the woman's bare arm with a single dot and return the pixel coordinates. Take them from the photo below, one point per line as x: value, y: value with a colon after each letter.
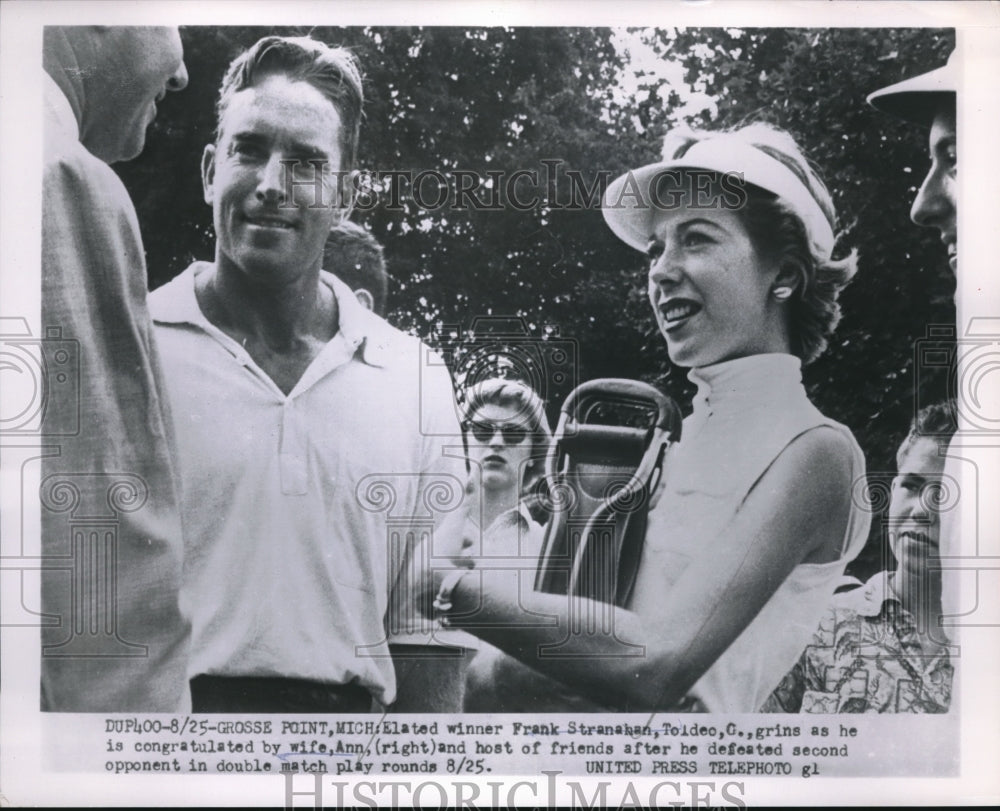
x: 798, y: 510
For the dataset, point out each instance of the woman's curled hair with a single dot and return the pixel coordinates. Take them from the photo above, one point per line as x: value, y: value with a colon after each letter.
x: 779, y: 234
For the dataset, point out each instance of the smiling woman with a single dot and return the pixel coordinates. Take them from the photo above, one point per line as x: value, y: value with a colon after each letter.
x: 710, y: 290
x: 755, y: 523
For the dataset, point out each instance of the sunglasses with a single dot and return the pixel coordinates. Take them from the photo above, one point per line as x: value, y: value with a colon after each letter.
x: 513, y: 434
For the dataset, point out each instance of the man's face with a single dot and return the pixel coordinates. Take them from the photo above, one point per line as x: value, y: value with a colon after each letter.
x: 144, y: 63
x: 935, y: 206
x: 266, y: 226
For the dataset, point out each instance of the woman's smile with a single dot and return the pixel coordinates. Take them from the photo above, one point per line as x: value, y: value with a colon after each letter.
x: 711, y: 289
x: 676, y: 311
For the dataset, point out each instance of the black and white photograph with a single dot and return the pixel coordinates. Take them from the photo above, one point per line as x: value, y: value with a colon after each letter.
x: 494, y: 405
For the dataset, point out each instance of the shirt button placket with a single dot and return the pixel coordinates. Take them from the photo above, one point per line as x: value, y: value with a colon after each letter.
x: 293, y: 451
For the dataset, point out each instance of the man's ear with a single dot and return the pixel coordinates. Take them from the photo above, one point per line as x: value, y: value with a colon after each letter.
x: 347, y: 195
x: 208, y: 172
x: 366, y: 298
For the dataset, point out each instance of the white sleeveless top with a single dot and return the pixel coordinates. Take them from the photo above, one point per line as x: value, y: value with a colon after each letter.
x: 746, y: 412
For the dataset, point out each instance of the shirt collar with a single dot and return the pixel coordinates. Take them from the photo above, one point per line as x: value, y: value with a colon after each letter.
x: 366, y: 333
x: 361, y: 328
x: 516, y: 516
x: 869, y: 599
x: 519, y: 513
x: 59, y: 106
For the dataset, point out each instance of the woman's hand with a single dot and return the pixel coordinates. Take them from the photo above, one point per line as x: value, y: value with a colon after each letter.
x: 712, y: 602
x: 496, y: 682
x: 434, y: 558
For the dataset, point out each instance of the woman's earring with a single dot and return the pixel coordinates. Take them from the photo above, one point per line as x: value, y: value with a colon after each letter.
x: 781, y: 293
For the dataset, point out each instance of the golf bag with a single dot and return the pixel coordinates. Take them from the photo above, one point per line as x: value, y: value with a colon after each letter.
x: 605, y: 462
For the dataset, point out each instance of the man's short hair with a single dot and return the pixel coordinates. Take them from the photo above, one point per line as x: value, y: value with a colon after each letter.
x: 334, y: 72
x: 355, y: 257
x: 938, y: 421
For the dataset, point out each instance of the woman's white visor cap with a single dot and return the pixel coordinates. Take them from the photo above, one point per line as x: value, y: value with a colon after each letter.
x: 631, y: 200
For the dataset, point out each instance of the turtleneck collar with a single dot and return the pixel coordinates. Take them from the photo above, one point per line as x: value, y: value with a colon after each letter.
x: 743, y: 382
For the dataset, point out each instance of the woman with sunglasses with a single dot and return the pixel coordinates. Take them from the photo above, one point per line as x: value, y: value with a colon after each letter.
x: 507, y: 435
x: 755, y: 522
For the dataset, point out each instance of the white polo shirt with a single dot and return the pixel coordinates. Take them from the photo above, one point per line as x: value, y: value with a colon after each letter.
x: 301, y: 510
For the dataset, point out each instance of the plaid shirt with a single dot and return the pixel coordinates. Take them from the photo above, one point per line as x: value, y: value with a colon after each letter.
x: 866, y: 656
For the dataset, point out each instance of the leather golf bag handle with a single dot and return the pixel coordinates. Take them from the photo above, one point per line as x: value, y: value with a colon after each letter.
x: 604, y: 463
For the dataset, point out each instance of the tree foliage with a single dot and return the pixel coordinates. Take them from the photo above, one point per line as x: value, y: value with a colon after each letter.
x: 548, y: 100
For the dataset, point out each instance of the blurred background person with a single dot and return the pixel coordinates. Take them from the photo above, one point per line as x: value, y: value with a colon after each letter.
x: 755, y: 524
x: 876, y: 649
x: 930, y: 100
x: 355, y: 257
x: 508, y: 437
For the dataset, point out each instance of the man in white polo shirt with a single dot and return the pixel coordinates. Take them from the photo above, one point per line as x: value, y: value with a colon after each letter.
x: 310, y: 432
